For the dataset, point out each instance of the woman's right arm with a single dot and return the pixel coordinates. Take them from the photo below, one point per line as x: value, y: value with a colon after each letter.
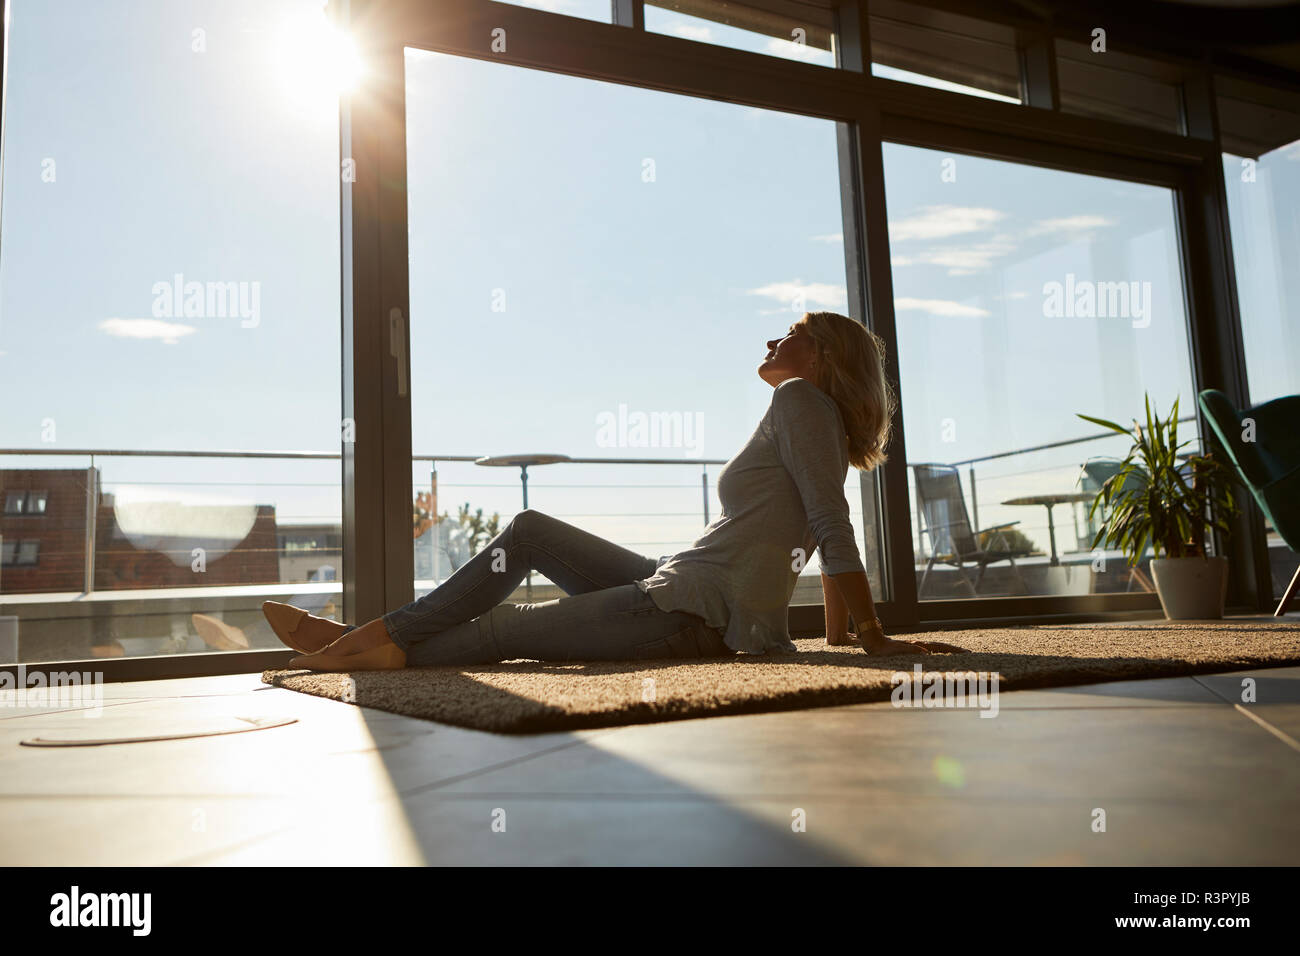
x: 837, y: 614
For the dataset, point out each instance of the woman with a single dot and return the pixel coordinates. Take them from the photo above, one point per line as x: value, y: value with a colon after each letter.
x: 782, y: 495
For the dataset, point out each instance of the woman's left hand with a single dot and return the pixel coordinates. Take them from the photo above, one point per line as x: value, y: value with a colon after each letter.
x: 925, y: 647
x: 886, y: 647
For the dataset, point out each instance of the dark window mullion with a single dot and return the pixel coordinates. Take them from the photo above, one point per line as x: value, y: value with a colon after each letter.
x: 898, y: 575
x: 629, y: 13
x: 1039, y: 86
x: 852, y: 37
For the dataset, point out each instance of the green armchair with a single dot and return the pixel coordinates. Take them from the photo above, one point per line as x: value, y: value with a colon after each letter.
x: 1269, y: 466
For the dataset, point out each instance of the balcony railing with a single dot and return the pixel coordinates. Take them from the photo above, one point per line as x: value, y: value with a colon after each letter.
x: 140, y: 611
x: 1061, y: 474
x: 1015, y: 452
x: 94, y: 489
x: 976, y: 482
x: 523, y: 463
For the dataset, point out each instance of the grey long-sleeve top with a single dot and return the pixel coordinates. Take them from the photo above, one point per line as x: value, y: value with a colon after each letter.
x: 782, y: 494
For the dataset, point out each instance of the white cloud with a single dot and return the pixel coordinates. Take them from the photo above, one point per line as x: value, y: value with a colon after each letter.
x: 829, y: 237
x: 940, y: 222
x: 940, y: 307
x: 169, y: 333
x: 815, y: 295
x: 959, y: 260
x: 968, y: 260
x: 1080, y: 223
x: 689, y: 32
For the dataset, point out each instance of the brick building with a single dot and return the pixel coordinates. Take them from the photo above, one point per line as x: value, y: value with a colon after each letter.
x: 44, y: 541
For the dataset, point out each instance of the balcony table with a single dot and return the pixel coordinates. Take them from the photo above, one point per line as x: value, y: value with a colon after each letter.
x: 1048, y: 501
x: 522, y: 462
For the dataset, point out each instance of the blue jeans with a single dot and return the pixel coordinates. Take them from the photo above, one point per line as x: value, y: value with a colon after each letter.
x: 606, y: 617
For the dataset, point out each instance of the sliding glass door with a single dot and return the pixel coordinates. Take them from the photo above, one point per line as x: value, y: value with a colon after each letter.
x: 594, y: 272
x: 169, y: 325
x: 563, y: 244
x: 1025, y: 297
x: 1261, y: 173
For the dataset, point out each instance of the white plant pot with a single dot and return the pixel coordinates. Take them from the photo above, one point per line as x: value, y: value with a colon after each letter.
x: 1191, y: 589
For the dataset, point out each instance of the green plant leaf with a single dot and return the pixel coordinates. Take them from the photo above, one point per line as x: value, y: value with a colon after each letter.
x: 1105, y: 424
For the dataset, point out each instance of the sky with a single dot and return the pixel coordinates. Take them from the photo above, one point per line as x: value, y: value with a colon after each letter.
x: 173, y: 152
x: 1264, y: 220
x: 578, y: 251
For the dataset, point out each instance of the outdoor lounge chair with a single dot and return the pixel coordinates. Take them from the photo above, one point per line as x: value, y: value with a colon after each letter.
x: 1269, y: 465
x: 945, y: 522
x: 1095, y: 473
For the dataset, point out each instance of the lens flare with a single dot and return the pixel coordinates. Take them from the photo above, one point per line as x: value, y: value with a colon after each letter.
x: 318, y: 62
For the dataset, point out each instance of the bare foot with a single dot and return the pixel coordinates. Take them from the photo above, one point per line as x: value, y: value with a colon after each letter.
x: 373, y: 634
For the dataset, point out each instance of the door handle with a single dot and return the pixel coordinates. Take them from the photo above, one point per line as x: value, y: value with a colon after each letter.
x: 397, y: 347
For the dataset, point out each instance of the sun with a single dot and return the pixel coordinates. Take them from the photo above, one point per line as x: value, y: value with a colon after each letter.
x: 317, y: 61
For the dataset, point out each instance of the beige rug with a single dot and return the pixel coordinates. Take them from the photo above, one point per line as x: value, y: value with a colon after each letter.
x: 530, y: 697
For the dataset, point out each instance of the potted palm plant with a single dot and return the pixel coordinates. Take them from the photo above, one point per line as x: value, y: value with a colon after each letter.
x: 1169, y: 502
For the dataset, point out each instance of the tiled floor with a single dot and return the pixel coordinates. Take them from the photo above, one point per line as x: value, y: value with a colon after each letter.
x: 1185, y: 772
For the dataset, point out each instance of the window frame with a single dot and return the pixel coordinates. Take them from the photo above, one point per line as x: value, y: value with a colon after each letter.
x: 870, y: 109
x: 376, y: 467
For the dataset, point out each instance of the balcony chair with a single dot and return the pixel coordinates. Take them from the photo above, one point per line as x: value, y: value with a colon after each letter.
x: 1094, y: 474
x: 1269, y: 466
x: 946, y: 523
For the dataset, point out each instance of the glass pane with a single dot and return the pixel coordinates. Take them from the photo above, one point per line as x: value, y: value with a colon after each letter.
x: 1263, y: 182
x: 1116, y: 86
x: 169, y: 281
x: 560, y: 295
x: 906, y: 76
x: 601, y: 10
x: 945, y: 51
x: 784, y: 28
x: 1024, y: 297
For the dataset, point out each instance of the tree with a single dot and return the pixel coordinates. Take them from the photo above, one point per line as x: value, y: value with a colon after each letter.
x: 477, y: 529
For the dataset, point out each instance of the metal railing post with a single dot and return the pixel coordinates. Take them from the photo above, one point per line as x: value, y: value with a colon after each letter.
x: 92, y: 515
x: 528, y: 578
x: 435, y: 566
x: 974, y: 501
x: 704, y: 481
x: 918, y: 547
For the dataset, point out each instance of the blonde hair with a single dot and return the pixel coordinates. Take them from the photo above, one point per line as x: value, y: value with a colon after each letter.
x: 851, y: 370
